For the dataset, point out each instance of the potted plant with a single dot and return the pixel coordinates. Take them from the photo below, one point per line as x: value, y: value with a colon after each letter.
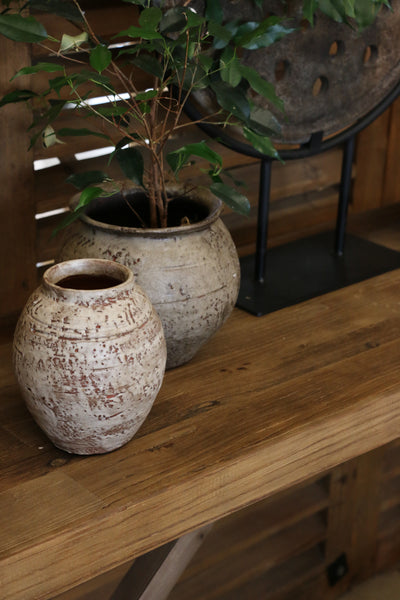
x: 182, y: 47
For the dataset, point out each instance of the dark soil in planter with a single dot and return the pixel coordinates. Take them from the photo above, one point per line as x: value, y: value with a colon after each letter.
x: 132, y: 210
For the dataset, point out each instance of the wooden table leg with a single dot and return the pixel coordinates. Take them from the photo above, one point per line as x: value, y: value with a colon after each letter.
x: 153, y: 575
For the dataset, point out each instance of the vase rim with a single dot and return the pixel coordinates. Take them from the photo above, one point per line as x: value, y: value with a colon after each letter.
x: 202, y: 196
x: 88, y: 267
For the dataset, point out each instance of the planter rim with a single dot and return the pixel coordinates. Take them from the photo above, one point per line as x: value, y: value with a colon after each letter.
x: 202, y: 196
x: 87, y: 266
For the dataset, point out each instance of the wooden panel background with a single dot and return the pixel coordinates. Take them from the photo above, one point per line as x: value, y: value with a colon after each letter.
x: 304, y: 193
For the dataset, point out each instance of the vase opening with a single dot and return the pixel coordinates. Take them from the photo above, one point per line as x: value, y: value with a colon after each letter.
x: 132, y: 210
x: 87, y: 274
x: 88, y: 281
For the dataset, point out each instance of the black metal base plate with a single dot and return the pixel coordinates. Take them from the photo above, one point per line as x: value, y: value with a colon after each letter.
x: 308, y: 268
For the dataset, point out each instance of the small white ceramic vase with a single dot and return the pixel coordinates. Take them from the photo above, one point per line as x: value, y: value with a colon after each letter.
x: 89, y: 355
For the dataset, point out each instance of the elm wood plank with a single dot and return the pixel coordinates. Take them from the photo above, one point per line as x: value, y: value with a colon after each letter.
x: 153, y: 575
x: 268, y: 403
x: 17, y: 230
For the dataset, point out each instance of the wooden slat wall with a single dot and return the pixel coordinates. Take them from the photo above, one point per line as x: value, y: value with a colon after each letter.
x: 304, y: 193
x: 17, y: 210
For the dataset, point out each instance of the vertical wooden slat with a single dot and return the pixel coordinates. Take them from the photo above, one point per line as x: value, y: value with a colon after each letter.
x: 391, y: 188
x: 17, y: 217
x: 353, y: 516
x: 370, y: 159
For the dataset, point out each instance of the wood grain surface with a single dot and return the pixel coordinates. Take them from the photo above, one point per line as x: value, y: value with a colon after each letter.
x: 268, y: 403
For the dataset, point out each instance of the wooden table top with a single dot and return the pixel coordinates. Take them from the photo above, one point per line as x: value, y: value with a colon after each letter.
x: 268, y: 403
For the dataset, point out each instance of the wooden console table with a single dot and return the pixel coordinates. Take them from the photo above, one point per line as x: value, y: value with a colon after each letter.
x: 267, y: 404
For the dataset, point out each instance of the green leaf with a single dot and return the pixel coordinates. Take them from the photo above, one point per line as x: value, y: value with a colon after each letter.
x: 97, y: 78
x: 365, y: 13
x: 261, y: 86
x: 230, y: 68
x: 148, y: 64
x: 231, y: 197
x: 22, y: 29
x: 131, y: 162
x: 67, y: 10
x: 140, y: 32
x: 72, y: 42
x: 253, y: 35
x: 206, y: 62
x: 309, y: 8
x: 68, y: 132
x: 57, y: 83
x: 178, y: 158
x: 173, y: 20
x: 150, y: 18
x: 263, y: 122
x: 148, y: 95
x: 39, y: 68
x: 83, y: 180
x: 68, y: 220
x: 214, y: 11
x: 100, y: 58
x: 193, y: 20
x: 333, y: 9
x: 233, y: 100
x: 88, y: 194
x: 17, y: 96
x: 55, y: 107
x: 222, y: 35
x: 260, y: 143
x: 112, y: 111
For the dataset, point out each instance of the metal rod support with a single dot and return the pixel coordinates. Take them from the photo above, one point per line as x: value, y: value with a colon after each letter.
x: 344, y: 195
x: 262, y: 220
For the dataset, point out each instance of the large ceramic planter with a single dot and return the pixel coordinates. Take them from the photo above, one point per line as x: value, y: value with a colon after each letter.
x: 190, y: 272
x: 89, y: 355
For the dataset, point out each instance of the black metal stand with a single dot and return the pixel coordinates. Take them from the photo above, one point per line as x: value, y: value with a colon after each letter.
x: 301, y: 270
x: 307, y: 268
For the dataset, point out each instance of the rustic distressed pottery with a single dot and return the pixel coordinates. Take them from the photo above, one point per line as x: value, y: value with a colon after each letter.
x: 89, y: 355
x: 190, y: 272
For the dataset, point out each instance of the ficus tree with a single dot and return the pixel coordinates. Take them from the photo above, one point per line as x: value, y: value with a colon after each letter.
x: 182, y: 47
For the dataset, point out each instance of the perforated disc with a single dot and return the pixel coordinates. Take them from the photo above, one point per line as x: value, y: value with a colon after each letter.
x: 329, y: 76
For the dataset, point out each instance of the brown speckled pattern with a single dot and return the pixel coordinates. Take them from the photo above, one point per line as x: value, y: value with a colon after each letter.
x: 89, y: 362
x: 192, y: 278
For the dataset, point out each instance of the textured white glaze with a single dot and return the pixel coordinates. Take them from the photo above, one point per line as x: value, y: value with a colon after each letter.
x: 89, y: 362
x: 190, y: 273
